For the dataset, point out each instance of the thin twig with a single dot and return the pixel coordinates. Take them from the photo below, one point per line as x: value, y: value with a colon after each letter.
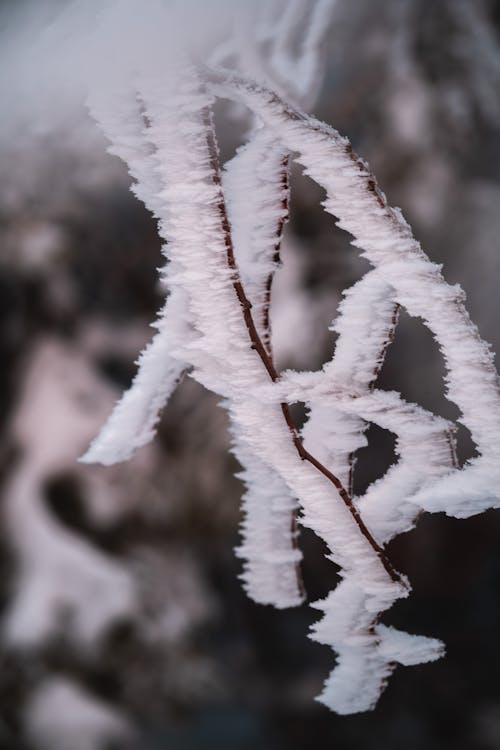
x: 256, y: 343
x: 266, y: 314
x: 351, y: 460
x: 371, y: 385
x: 450, y: 437
x: 246, y: 305
x: 266, y: 328
x: 385, y: 346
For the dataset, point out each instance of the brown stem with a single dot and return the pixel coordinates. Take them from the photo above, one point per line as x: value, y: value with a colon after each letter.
x: 450, y: 437
x: 266, y: 314
x: 388, y: 341
x: 351, y: 460
x: 256, y: 343
x: 371, y: 385
x: 266, y: 327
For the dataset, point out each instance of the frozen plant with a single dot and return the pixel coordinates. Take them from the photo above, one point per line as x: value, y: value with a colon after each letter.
x: 222, y: 231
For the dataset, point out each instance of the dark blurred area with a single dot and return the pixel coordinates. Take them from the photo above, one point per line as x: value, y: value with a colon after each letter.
x: 123, y: 623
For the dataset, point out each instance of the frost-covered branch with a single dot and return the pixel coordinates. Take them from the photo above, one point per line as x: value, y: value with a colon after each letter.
x: 255, y: 183
x: 222, y: 231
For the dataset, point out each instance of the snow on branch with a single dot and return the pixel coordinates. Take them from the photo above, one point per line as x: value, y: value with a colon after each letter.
x: 222, y: 233
x: 255, y: 185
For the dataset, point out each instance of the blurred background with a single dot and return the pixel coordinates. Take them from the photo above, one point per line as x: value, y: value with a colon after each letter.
x: 122, y: 620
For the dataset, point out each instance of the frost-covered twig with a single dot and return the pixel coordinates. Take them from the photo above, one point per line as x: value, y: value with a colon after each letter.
x: 257, y: 344
x: 133, y: 421
x: 255, y: 182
